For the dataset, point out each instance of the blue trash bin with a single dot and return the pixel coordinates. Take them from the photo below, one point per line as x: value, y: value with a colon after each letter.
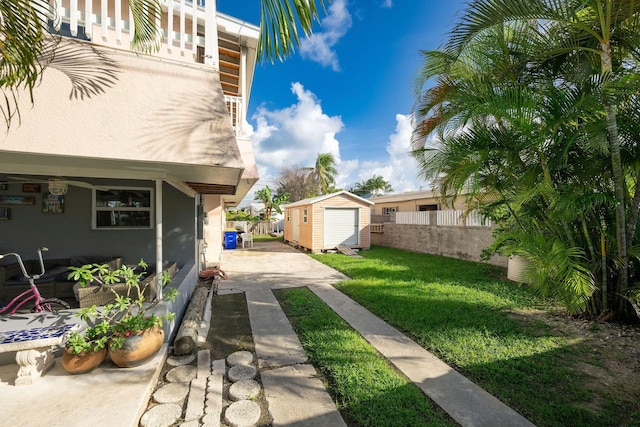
x: 230, y: 239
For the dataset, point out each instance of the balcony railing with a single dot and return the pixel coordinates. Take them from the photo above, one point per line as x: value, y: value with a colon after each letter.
x: 236, y: 108
x: 189, y: 36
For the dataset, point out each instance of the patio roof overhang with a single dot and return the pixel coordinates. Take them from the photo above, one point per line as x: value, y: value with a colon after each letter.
x: 190, y: 179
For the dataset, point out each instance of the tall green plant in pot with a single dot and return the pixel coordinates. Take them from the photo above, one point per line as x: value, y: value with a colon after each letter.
x: 86, y: 350
x: 134, y: 334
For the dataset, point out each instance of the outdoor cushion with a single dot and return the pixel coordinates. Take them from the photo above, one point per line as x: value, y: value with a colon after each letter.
x: 79, y: 261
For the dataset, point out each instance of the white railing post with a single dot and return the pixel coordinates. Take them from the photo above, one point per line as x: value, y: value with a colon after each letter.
x: 88, y: 18
x: 104, y: 19
x: 182, y: 30
x: 194, y: 30
x: 211, y: 35
x: 73, y: 17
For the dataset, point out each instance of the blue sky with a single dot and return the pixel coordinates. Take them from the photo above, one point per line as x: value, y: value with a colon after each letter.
x: 348, y: 90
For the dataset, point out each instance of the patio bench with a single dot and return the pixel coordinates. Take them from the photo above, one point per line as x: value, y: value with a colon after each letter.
x: 34, y: 349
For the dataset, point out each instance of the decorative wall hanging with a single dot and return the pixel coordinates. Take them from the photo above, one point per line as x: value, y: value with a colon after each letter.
x: 30, y: 188
x: 52, y: 203
x: 17, y: 200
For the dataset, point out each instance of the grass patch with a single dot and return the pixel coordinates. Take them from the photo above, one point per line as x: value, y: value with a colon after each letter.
x: 366, y: 389
x: 464, y: 313
x: 267, y: 238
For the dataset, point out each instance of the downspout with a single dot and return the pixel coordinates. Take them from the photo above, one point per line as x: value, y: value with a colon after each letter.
x: 158, y: 238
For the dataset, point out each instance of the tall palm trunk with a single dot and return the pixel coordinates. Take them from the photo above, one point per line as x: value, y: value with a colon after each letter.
x: 616, y: 170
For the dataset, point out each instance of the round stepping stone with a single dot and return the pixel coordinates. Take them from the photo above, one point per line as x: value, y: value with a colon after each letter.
x: 161, y: 415
x: 192, y: 423
x: 182, y: 374
x: 181, y: 360
x: 171, y: 393
x: 244, y: 390
x: 241, y: 372
x: 242, y: 413
x: 240, y: 358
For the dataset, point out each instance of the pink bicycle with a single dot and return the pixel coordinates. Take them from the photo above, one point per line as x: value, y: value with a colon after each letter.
x: 32, y: 294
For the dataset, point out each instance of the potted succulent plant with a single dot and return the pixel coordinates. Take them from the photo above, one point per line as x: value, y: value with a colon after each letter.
x: 133, y: 334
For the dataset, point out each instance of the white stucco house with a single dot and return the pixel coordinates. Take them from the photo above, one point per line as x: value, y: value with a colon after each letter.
x: 143, y: 152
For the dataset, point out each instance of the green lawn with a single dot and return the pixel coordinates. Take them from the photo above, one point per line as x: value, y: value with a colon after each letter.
x: 266, y: 238
x: 366, y: 389
x: 472, y: 318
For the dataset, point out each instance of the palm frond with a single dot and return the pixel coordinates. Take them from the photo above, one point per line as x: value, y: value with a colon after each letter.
x: 280, y: 20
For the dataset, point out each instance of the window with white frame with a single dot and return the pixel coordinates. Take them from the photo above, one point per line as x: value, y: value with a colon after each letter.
x: 123, y: 208
x: 305, y: 215
x: 388, y: 211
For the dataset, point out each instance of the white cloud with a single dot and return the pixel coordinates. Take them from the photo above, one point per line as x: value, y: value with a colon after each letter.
x: 399, y: 168
x: 388, y: 4
x: 296, y: 134
x: 319, y: 46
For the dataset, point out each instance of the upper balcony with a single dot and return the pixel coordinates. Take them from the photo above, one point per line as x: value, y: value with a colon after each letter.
x: 190, y: 32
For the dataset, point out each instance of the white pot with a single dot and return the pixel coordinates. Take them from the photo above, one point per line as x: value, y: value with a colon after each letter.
x: 516, y: 267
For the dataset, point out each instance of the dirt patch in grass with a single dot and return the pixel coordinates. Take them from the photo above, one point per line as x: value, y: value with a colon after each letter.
x: 608, y: 354
x: 230, y: 330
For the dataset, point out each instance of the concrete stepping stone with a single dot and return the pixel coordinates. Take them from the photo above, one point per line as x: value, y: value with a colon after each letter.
x: 161, y: 415
x: 240, y: 358
x: 193, y: 423
x: 242, y: 413
x: 244, y: 390
x: 241, y: 372
x: 171, y: 393
x: 195, y: 403
x: 182, y: 374
x: 181, y: 360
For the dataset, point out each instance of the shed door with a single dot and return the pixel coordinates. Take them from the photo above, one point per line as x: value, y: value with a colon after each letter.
x: 295, y: 225
x: 341, y: 227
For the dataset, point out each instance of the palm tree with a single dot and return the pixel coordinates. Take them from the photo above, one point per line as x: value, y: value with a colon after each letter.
x: 27, y: 48
x: 324, y: 172
x: 517, y: 113
x: 599, y: 34
x: 271, y: 201
x: 377, y: 185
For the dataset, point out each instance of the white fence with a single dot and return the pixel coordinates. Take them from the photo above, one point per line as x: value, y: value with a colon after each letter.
x: 445, y: 218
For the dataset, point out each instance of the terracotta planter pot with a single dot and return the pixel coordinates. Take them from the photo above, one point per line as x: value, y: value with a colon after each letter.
x: 138, y: 348
x: 83, y: 362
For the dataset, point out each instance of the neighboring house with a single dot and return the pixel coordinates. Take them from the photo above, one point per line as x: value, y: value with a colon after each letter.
x: 151, y: 147
x: 322, y: 223
x: 412, y: 201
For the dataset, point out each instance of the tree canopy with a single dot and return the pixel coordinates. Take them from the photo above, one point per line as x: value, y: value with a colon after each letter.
x: 375, y: 186
x: 531, y: 109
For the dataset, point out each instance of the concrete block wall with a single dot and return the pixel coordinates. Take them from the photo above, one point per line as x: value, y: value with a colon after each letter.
x: 456, y: 242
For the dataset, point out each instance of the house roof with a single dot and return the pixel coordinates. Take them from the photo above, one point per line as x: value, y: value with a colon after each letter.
x: 317, y: 199
x: 402, y: 197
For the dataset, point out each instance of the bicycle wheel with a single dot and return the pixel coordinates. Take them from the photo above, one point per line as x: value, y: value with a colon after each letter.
x: 52, y: 304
